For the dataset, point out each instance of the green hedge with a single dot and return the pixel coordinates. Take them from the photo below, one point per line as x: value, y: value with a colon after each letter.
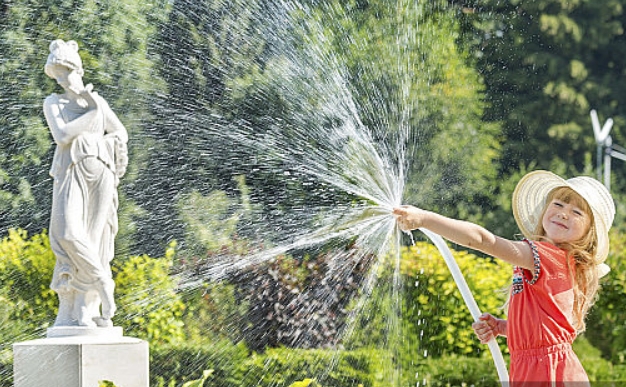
x: 173, y: 365
x: 433, y: 298
x: 606, y: 325
x: 233, y: 365
x: 283, y: 367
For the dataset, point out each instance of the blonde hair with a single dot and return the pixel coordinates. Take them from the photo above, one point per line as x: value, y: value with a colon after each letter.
x: 584, y: 273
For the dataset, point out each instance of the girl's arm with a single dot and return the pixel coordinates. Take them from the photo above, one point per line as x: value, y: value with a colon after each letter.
x: 467, y: 234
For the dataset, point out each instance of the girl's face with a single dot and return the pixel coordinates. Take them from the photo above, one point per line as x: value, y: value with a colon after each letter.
x: 565, y: 221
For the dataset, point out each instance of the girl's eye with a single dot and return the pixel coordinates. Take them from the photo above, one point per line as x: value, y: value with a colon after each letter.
x: 558, y: 204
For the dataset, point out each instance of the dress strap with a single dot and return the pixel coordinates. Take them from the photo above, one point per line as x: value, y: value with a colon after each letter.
x: 537, y: 261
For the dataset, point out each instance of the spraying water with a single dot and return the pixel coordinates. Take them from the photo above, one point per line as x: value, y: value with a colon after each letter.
x: 367, y: 162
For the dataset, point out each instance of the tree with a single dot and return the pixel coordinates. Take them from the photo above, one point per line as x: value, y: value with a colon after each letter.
x: 546, y: 64
x: 24, y: 152
x: 417, y: 89
x: 202, y: 48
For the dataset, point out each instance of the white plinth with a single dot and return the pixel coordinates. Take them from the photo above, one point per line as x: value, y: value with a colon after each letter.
x: 81, y: 361
x: 66, y: 331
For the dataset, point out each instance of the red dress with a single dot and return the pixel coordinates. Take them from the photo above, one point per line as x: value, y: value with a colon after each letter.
x: 539, y: 328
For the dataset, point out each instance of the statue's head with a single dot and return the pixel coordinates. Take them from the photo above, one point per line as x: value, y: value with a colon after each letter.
x: 63, y: 54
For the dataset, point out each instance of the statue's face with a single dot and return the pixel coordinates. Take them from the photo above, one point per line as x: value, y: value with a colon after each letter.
x: 69, y: 79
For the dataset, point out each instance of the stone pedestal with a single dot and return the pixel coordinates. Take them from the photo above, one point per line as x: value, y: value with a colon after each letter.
x: 67, y: 358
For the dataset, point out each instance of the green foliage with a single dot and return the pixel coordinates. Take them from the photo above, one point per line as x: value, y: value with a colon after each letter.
x: 597, y: 368
x: 213, y: 312
x: 212, y: 221
x: 187, y: 152
x: 26, y: 143
x: 283, y: 367
x: 26, y: 266
x: 199, y: 382
x: 173, y: 365
x: 298, y: 301
x: 456, y: 371
x: 435, y: 319
x: 423, y: 82
x: 362, y: 368
x: 106, y: 383
x: 435, y: 304
x: 206, y: 218
x: 606, y: 326
x: 149, y: 307
x: 545, y: 65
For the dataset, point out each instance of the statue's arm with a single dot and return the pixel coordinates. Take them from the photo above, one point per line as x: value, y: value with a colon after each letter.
x: 115, y: 129
x: 113, y: 126
x: 65, y: 132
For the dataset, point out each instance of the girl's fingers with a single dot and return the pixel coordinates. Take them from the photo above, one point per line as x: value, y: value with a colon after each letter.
x: 483, y: 330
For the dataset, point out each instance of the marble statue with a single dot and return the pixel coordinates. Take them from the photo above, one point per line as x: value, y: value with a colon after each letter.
x: 90, y: 158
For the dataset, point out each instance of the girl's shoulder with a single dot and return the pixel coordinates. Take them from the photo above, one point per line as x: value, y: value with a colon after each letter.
x: 544, y: 245
x: 552, y: 258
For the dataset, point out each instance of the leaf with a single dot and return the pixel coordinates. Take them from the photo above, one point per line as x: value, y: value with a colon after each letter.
x: 303, y: 383
x: 199, y: 382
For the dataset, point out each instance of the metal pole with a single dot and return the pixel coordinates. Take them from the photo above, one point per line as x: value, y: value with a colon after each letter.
x: 607, y: 168
x: 599, y: 161
x: 601, y: 134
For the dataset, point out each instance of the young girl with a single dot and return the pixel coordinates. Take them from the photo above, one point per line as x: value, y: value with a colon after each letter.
x: 555, y: 276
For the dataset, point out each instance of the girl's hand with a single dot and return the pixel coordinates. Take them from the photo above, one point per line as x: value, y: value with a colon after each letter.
x: 409, y: 217
x: 488, y: 327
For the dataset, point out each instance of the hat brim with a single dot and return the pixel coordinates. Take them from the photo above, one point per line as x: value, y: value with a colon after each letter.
x: 529, y: 199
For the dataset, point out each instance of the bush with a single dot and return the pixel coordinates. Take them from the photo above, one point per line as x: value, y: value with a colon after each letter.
x: 455, y: 370
x: 286, y: 301
x: 434, y: 320
x: 212, y: 312
x: 283, y: 367
x: 598, y: 369
x: 435, y: 305
x: 606, y: 325
x: 149, y: 307
x: 26, y: 267
x: 173, y: 365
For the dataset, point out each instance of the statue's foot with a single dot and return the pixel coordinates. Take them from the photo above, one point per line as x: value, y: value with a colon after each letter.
x: 103, y: 322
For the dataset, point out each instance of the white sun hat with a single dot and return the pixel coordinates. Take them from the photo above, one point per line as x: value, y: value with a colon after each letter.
x: 529, y: 199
